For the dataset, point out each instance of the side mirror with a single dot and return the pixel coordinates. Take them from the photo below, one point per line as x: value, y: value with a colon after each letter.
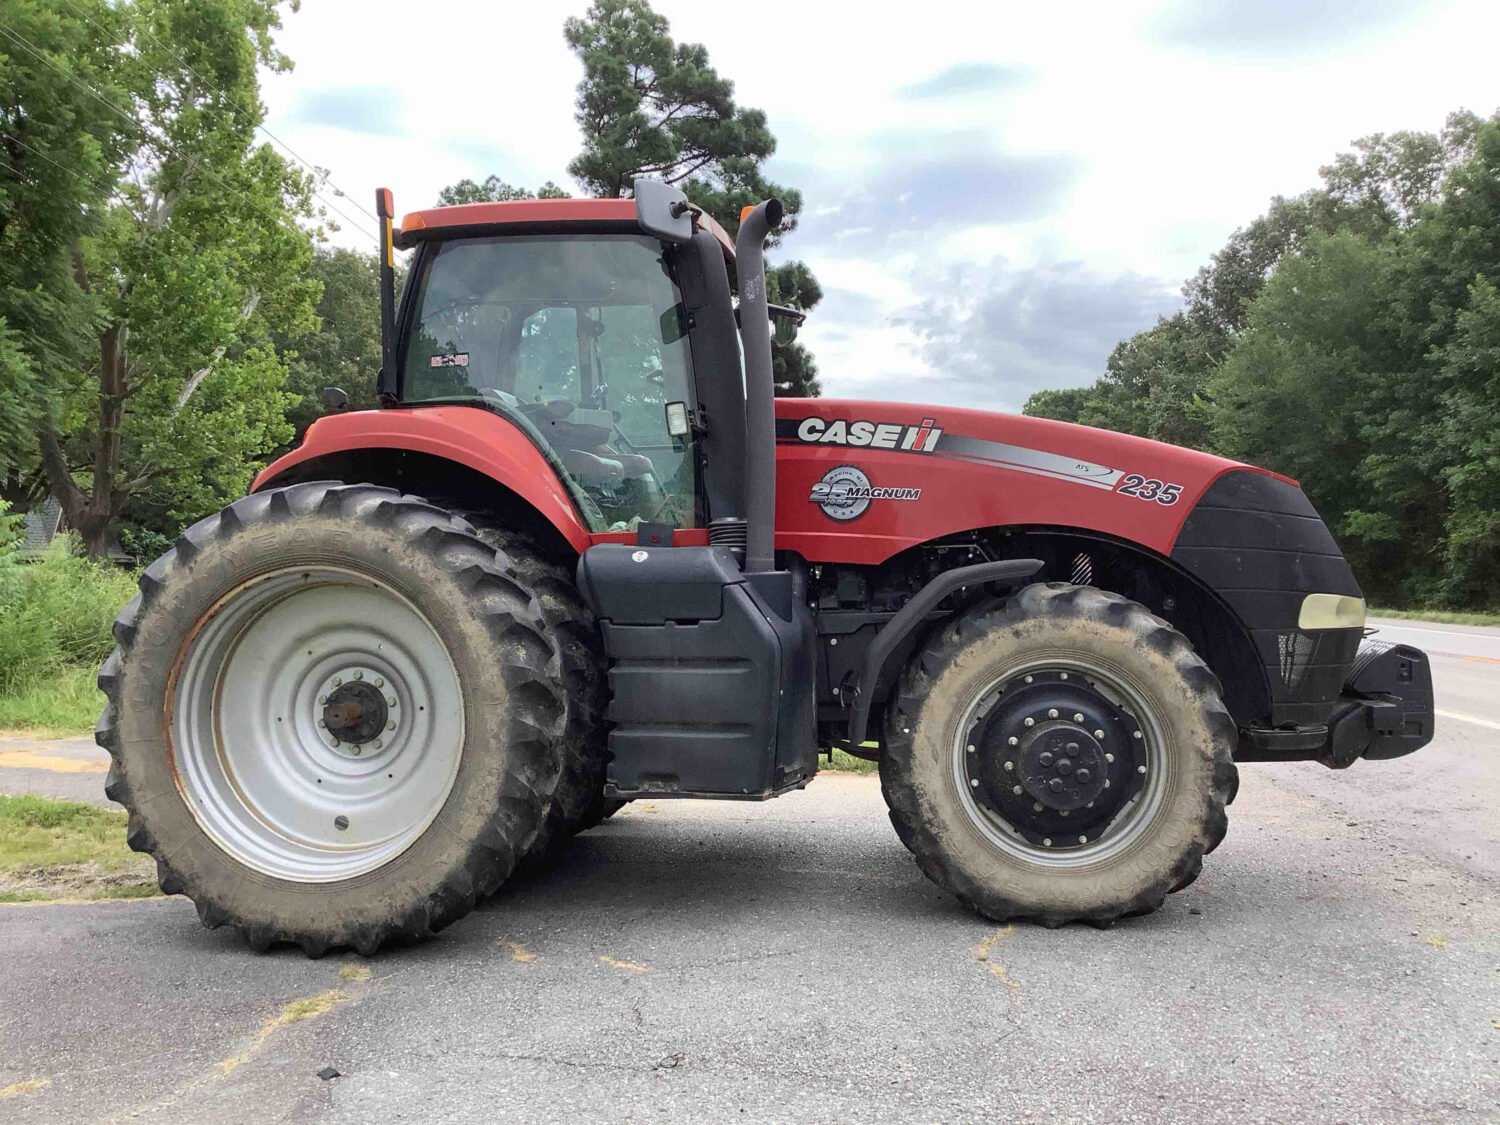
x: 335, y: 401
x: 784, y: 323
x: 662, y: 210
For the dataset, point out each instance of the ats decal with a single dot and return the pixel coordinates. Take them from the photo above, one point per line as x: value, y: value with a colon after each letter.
x: 929, y: 438
x: 845, y: 493
x: 876, y: 435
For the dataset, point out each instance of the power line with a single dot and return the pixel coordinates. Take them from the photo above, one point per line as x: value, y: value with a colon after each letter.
x: 313, y: 168
x: 146, y: 135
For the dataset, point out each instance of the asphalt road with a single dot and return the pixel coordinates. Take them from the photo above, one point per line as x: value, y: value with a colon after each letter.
x: 1338, y: 961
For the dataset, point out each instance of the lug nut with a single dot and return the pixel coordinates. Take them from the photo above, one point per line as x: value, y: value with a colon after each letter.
x: 1030, y: 722
x: 356, y: 750
x: 337, y: 681
x: 1013, y: 741
x: 379, y: 681
x: 1046, y: 841
x: 335, y: 742
x: 971, y: 749
x: 1083, y: 839
x: 390, y: 701
x: 1036, y: 806
x: 391, y: 725
x: 1109, y: 757
x: 1016, y: 789
x: 377, y: 744
x: 1106, y: 783
x: 1062, y: 675
x: 1078, y: 717
x: 321, y: 723
x: 1098, y: 734
x: 359, y: 675
x: 322, y: 699
x: 1029, y: 679
x: 974, y: 782
x: 1140, y: 769
x: 1010, y: 765
x: 1137, y: 734
x: 1052, y: 714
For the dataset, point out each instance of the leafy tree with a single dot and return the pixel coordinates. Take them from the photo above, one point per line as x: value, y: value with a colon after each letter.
x: 62, y: 138
x: 344, y: 349
x: 650, y: 106
x: 197, y: 263
x: 495, y: 190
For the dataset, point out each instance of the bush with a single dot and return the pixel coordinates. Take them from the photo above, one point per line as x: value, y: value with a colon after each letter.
x: 55, y: 613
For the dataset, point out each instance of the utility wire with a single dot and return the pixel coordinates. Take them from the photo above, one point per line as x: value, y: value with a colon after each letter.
x: 146, y: 135
x: 249, y: 116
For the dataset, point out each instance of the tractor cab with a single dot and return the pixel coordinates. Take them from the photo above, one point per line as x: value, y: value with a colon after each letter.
x: 608, y: 345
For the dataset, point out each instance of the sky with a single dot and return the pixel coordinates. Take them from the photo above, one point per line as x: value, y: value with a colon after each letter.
x: 995, y: 194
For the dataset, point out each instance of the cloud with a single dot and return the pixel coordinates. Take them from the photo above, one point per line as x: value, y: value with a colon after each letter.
x: 912, y: 182
x: 1280, y: 27
x: 993, y: 335
x: 372, y: 110
x: 963, y: 79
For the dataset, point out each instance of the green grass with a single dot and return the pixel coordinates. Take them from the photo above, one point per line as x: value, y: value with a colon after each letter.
x: 1442, y: 616
x: 62, y: 849
x: 67, y: 703
x: 848, y: 763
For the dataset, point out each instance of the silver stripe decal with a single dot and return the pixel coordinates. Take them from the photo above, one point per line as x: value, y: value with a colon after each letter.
x: 1025, y: 460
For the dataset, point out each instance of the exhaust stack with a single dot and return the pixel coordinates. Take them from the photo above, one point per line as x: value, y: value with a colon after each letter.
x: 385, y: 382
x: 756, y: 223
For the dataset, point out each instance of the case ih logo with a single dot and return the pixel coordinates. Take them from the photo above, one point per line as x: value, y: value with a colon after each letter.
x: 875, y: 435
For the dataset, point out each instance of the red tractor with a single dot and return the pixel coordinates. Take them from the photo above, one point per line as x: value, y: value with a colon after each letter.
x: 581, y: 554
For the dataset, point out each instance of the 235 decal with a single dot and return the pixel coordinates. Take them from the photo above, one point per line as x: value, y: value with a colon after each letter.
x: 1149, y: 488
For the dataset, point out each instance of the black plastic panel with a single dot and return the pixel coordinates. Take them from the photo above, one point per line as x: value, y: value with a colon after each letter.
x: 711, y: 689
x: 1260, y: 545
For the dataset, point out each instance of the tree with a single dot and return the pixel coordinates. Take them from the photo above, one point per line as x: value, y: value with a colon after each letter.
x: 1153, y: 385
x: 195, y: 266
x: 649, y: 106
x: 343, y: 350
x: 61, y: 142
x: 494, y: 190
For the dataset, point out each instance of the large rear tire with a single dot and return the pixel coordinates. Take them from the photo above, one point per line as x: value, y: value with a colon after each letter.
x: 1060, y: 756
x: 580, y: 649
x: 334, y: 718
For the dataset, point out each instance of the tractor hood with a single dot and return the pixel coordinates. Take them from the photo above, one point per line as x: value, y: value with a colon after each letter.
x: 859, y: 481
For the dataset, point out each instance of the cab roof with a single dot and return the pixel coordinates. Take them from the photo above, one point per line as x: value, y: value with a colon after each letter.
x: 493, y: 218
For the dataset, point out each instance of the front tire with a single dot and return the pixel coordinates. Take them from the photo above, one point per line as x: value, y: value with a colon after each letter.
x: 334, y: 719
x: 1061, y: 756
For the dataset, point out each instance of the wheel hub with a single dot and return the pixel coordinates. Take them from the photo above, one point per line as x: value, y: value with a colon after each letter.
x: 1061, y: 765
x: 355, y: 712
x: 1053, y: 758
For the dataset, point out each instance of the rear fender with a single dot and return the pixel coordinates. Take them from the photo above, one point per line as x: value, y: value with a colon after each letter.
x: 473, y: 440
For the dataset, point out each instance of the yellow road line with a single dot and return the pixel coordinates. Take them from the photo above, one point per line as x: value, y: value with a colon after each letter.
x: 30, y: 760
x: 1467, y: 719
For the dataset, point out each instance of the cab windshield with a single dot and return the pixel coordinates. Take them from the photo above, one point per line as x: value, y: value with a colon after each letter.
x: 580, y: 340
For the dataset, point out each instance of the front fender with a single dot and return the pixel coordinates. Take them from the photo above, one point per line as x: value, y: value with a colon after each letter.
x: 469, y: 436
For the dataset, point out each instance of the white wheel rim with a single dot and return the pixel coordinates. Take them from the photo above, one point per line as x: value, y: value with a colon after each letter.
x: 270, y: 784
